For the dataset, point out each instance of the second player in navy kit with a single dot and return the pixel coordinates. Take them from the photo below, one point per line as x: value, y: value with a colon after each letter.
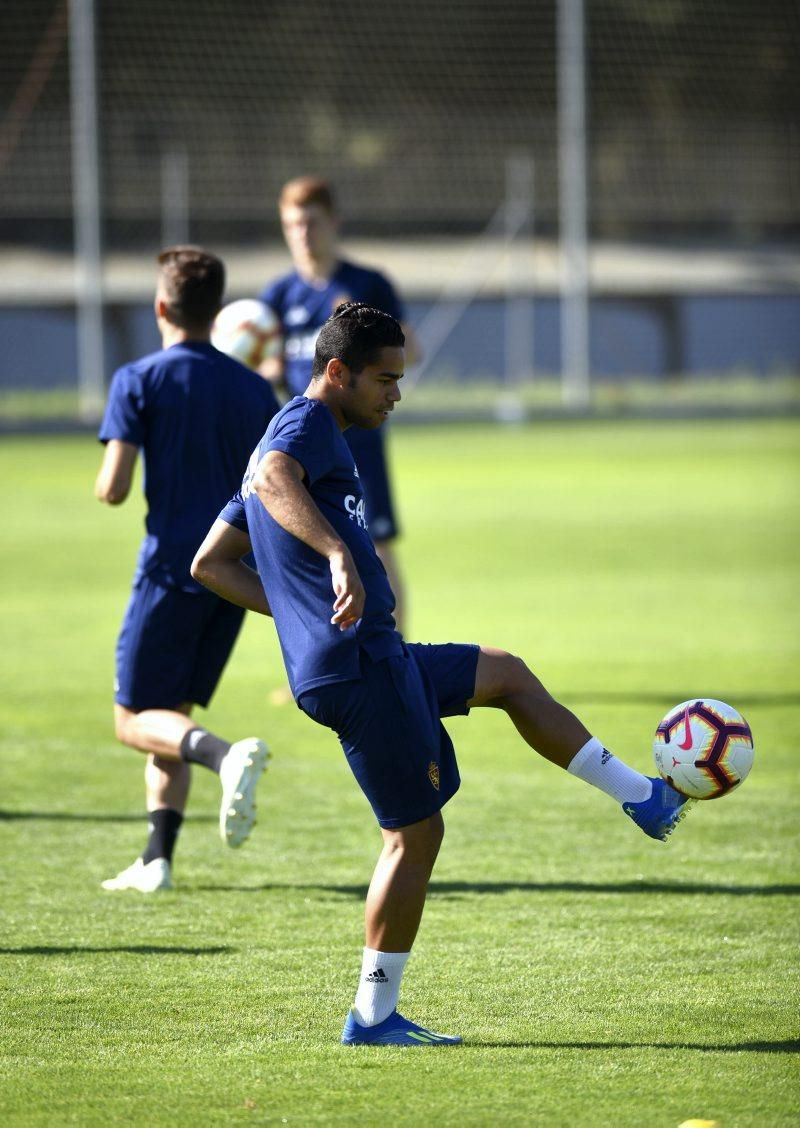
x: 303, y: 300
x: 300, y: 510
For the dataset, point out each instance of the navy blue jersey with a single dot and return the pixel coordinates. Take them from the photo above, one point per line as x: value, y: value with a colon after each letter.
x: 196, y: 414
x: 296, y: 579
x: 303, y: 309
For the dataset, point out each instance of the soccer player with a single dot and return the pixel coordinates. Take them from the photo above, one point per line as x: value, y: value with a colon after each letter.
x: 195, y: 414
x: 301, y: 509
x: 303, y: 300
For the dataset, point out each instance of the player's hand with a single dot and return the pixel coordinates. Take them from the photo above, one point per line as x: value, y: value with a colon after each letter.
x: 348, y: 606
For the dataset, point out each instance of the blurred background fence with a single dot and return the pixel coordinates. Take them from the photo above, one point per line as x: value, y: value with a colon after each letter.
x: 467, y: 143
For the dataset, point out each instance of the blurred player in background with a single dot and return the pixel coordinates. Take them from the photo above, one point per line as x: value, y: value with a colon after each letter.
x: 303, y: 300
x: 196, y: 415
x: 301, y: 510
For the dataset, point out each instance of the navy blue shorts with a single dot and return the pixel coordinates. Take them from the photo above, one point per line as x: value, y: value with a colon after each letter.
x: 389, y: 726
x: 368, y: 449
x: 173, y: 646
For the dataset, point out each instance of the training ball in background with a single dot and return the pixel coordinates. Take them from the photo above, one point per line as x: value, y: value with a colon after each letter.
x: 703, y: 748
x: 247, y: 330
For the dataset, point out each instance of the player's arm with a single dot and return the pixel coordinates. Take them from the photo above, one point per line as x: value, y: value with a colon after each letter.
x: 273, y: 367
x: 274, y: 370
x: 114, y: 478
x: 218, y: 565
x: 279, y: 486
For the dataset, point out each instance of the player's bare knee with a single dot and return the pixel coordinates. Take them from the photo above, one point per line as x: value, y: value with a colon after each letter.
x: 515, y: 677
x: 518, y: 686
x: 124, y: 722
x: 419, y: 842
x: 500, y: 676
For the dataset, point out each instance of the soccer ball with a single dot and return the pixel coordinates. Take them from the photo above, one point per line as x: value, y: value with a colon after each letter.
x: 247, y: 330
x: 703, y: 748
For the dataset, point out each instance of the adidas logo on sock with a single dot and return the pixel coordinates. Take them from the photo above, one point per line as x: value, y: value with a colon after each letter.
x: 377, y: 976
x: 605, y: 757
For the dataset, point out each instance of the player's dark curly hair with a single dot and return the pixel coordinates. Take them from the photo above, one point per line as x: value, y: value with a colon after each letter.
x: 355, y: 333
x: 193, y: 281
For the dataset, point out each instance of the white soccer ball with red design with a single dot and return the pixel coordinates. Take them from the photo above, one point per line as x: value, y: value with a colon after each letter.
x: 703, y: 748
x: 249, y: 331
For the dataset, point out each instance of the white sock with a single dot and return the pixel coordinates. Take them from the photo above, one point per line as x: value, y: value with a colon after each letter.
x: 595, y: 764
x: 379, y: 986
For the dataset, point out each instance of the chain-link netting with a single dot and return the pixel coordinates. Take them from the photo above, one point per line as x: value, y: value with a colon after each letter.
x: 411, y: 109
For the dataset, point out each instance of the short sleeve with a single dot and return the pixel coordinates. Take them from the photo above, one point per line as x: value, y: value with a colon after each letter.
x: 307, y: 435
x: 125, y: 410
x: 234, y: 513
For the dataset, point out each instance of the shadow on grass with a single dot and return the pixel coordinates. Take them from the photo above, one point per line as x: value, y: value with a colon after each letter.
x: 791, y: 1046
x: 466, y: 888
x: 78, y: 816
x: 132, y: 949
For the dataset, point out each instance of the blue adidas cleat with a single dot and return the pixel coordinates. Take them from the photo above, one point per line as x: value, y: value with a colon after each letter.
x: 660, y: 814
x: 393, y: 1031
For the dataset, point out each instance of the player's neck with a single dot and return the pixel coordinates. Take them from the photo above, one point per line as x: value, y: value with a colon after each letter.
x: 175, y: 335
x: 317, y: 390
x: 317, y: 271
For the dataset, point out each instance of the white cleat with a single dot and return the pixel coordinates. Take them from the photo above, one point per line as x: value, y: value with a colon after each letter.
x: 239, y: 773
x: 148, y: 878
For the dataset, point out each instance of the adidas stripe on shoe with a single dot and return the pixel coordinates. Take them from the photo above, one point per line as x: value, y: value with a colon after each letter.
x: 394, y: 1031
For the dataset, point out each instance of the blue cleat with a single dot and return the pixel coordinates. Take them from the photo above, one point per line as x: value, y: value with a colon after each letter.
x: 393, y: 1031
x: 660, y: 814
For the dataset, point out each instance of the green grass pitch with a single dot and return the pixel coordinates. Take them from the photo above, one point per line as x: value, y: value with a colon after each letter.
x: 599, y: 978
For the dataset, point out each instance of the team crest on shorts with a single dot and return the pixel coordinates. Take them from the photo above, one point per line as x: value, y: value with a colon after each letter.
x: 433, y: 773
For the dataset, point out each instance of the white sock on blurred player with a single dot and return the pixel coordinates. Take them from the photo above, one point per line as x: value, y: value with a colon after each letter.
x: 379, y: 986
x: 596, y: 765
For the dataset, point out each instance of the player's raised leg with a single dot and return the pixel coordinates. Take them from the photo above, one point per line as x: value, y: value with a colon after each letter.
x: 173, y: 741
x: 174, y: 737
x: 503, y: 681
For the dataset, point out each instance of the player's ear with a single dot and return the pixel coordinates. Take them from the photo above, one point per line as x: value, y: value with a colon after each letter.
x: 337, y: 372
